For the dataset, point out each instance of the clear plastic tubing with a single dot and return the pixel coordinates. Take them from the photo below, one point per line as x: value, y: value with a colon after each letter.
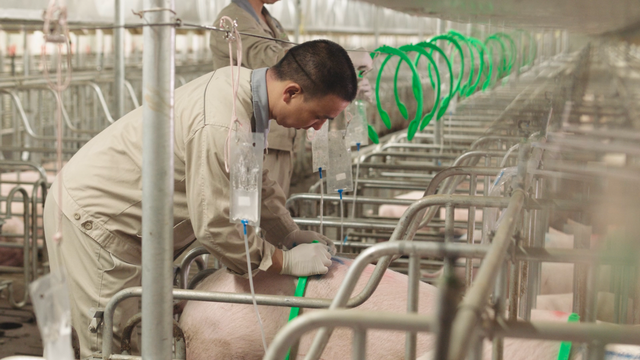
x: 342, y: 239
x: 321, y: 200
x: 253, y: 292
x: 355, y: 187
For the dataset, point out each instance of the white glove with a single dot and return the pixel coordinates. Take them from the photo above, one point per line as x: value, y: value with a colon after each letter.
x: 306, y: 260
x: 299, y: 237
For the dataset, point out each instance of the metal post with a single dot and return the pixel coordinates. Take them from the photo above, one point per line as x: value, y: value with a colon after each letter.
x: 450, y: 293
x: 582, y: 240
x: 565, y: 42
x: 467, y: 318
x: 99, y: 49
x: 360, y: 344
x: 157, y: 181
x: 499, y: 305
x: 297, y: 25
x: 25, y: 53
x: 118, y: 68
x: 376, y: 26
x: 412, y: 303
x: 442, y: 28
x: 636, y: 298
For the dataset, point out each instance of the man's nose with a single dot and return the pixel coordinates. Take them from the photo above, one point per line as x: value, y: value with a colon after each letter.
x: 319, y: 124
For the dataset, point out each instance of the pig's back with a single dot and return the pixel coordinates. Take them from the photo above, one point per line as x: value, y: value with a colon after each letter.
x: 226, y: 331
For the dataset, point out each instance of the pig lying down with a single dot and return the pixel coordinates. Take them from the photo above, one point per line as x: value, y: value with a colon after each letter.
x: 231, y: 331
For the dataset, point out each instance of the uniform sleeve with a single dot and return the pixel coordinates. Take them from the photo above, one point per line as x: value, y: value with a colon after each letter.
x: 256, y: 52
x: 208, y: 197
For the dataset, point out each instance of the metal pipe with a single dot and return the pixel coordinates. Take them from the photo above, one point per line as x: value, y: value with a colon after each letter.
x: 25, y: 245
x: 185, y: 265
x: 476, y: 298
x: 499, y: 305
x: 575, y: 332
x: 582, y: 240
x: 359, y: 346
x: 382, y: 249
x: 118, y: 68
x: 369, y: 255
x: 412, y: 303
x: 157, y: 181
x: 342, y: 318
x: 636, y: 299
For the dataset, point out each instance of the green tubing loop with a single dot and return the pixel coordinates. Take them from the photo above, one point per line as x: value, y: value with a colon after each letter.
x: 420, y: 50
x: 487, y: 80
x: 481, y: 49
x: 501, y: 68
x: 413, y: 126
x: 465, y: 88
x: 531, y: 53
x: 514, y: 49
x: 455, y: 43
x: 444, y: 104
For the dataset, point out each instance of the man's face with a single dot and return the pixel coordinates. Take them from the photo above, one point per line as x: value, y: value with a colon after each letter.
x: 312, y: 113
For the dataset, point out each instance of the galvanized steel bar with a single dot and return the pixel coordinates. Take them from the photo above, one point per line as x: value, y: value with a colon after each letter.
x: 157, y: 181
x: 476, y: 298
x: 119, y: 68
x: 341, y: 318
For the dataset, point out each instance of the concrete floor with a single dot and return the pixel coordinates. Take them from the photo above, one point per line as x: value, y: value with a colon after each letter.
x: 19, y: 334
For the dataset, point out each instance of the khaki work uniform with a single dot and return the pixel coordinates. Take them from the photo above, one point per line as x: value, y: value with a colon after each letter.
x: 258, y: 53
x: 102, y: 194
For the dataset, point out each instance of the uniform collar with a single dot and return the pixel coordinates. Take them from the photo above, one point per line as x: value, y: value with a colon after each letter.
x: 260, y: 100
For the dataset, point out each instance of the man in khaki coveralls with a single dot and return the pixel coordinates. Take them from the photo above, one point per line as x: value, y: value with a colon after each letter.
x: 102, y: 190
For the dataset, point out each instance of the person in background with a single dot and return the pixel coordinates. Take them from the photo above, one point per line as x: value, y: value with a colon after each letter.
x: 253, y: 18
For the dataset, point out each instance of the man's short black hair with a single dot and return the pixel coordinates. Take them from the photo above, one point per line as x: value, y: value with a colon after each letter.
x: 320, y: 67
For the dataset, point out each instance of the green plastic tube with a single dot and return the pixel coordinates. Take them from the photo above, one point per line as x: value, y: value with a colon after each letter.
x: 444, y: 104
x: 427, y: 118
x: 419, y: 96
x: 565, y: 346
x: 501, y: 68
x: 465, y: 88
x: 481, y: 49
x: 455, y: 43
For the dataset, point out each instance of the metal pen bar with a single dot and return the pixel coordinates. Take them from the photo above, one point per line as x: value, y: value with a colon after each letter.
x: 157, y: 183
x: 476, y: 298
x: 341, y: 318
x: 119, y: 68
x: 386, y: 249
x: 412, y: 303
x: 575, y: 332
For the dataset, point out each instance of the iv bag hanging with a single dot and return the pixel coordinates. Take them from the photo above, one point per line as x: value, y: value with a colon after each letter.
x: 339, y: 172
x: 357, y: 131
x: 320, y: 148
x: 245, y: 167
x: 50, y: 298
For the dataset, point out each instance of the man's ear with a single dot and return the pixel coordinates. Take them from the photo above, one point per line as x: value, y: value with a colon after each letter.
x: 291, y: 91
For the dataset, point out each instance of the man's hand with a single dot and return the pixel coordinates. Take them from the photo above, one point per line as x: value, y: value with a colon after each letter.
x: 299, y: 237
x: 306, y: 260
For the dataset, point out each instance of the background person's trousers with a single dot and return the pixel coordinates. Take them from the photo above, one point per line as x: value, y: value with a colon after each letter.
x: 93, y: 275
